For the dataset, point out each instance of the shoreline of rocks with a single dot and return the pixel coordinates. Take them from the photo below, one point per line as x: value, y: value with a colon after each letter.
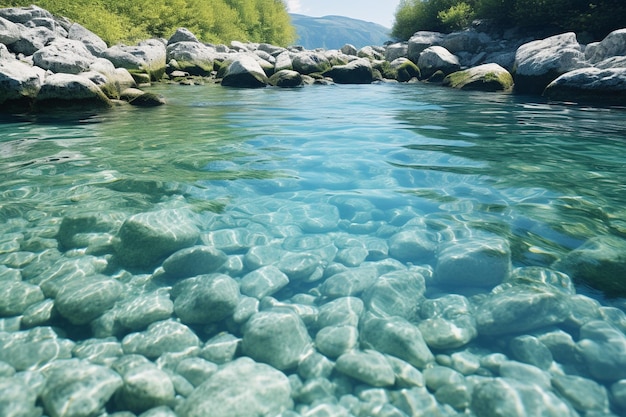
x: 47, y: 61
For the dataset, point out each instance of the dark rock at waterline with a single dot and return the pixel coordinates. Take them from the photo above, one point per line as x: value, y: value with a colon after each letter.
x: 70, y: 89
x: 590, y: 85
x: 600, y: 263
x: 356, y: 72
x: 286, y: 78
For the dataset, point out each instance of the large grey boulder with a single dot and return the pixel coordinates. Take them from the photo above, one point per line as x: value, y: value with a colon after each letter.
x: 78, y: 388
x: 469, y: 41
x: 24, y: 14
x: 32, y: 39
x: 182, y: 35
x: 486, y: 77
x: 277, y: 337
x: 145, y: 238
x: 358, y: 71
x: 147, y: 57
x: 64, y: 55
x: 70, y: 89
x: 9, y: 32
x: 590, y: 85
x: 538, y: 63
x: 437, y: 58
x: 115, y: 80
x: 240, y: 388
x: 91, y: 41
x: 396, y: 50
x: 420, y: 41
x: 246, y: 72
x: 310, y: 62
x: 286, y: 78
x: 614, y: 44
x: 192, y: 57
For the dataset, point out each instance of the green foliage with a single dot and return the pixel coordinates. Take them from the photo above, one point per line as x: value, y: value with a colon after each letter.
x: 217, y: 21
x: 597, y: 17
x: 457, y: 17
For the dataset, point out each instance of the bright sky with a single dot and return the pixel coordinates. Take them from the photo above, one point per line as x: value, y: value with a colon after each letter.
x: 378, y: 11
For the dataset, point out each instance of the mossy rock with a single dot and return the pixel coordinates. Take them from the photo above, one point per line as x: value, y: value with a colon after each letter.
x: 487, y: 77
x: 407, y: 70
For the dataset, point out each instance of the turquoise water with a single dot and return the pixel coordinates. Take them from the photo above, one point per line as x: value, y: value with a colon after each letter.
x: 337, y: 161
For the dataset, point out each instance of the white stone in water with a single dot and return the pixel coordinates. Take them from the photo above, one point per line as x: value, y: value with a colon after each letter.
x: 526, y: 373
x: 221, y: 348
x: 239, y: 389
x: 476, y: 262
x: 263, y: 282
x: 78, y: 388
x: 334, y: 341
x: 145, y: 387
x: 159, y: 338
x: 571, y: 387
x: 17, y: 399
x: 397, y: 293
x: 406, y: 374
x: 196, y: 370
x: 370, y: 367
x: 396, y: 336
x: 301, y: 266
x: 82, y: 301
x: 205, y: 298
x: 276, y: 337
x: 530, y: 350
x: 17, y: 296
x: 520, y: 309
x: 351, y: 282
x: 602, y: 348
x: 414, y: 245
x: 141, y: 311
x: 506, y: 397
x: 147, y: 237
x: 315, y: 365
x: 233, y: 240
x: 33, y: 348
x: 196, y: 260
x: 344, y: 310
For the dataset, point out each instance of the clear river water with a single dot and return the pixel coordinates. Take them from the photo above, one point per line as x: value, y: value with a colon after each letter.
x: 350, y: 165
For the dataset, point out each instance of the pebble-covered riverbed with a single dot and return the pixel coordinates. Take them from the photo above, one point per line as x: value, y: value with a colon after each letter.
x: 332, y: 251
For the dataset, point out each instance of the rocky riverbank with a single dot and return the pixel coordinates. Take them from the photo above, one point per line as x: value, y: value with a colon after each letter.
x: 46, y: 61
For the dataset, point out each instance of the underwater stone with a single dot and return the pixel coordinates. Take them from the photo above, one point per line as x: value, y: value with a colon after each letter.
x: 457, y: 396
x: 73, y: 227
x: 78, y: 389
x: 17, y: 399
x: 205, y: 298
x: 160, y: 337
x: 99, y: 351
x: 600, y: 262
x: 417, y: 402
x: 595, y: 397
x: 196, y: 370
x: 439, y: 376
x: 300, y: 266
x: 334, y: 341
x: 17, y: 296
x: 465, y: 362
x: 526, y: 373
x: 561, y: 346
x: 233, y: 240
x: 540, y: 277
x: 276, y: 337
x: 530, y: 350
x: 221, y: 348
x: 618, y: 391
x: 342, y: 311
x: 162, y: 411
x: 259, y: 256
x: 440, y: 333
x: 397, y: 293
x: 520, y: 309
x: 370, y: 367
x: 406, y: 374
x: 82, y: 301
x: 263, y: 282
x: 145, y: 238
x: 352, y: 256
x: 141, y: 311
x: 33, y: 348
x: 246, y: 307
x: 351, y: 282
x: 602, y: 348
x: 396, y: 336
x: 145, y: 387
x: 477, y: 262
x: 412, y: 245
x: 315, y: 365
x: 501, y: 397
x: 239, y: 389
x: 196, y: 260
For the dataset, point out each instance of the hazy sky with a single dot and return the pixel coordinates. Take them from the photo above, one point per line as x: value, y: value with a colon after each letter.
x: 378, y: 11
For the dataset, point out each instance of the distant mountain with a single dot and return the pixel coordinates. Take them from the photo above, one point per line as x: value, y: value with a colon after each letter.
x: 333, y: 32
